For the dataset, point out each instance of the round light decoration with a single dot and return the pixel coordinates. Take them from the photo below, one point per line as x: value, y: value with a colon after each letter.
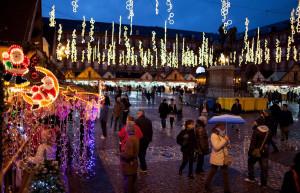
x: 200, y: 70
x: 45, y: 94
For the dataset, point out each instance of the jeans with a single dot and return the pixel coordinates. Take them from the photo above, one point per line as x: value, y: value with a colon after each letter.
x: 263, y: 163
x: 188, y: 157
x: 200, y: 161
x: 117, y: 124
x: 144, y: 143
x: 163, y: 123
x: 103, y: 127
x: 213, y: 171
x: 129, y: 183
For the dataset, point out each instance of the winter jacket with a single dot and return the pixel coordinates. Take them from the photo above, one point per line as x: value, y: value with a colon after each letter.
x: 104, y: 112
x: 129, y: 162
x: 146, y: 127
x: 172, y: 109
x: 286, y: 118
x: 236, y: 109
x: 163, y: 110
x: 219, y: 149
x: 289, y: 182
x: 187, y: 140
x: 257, y: 139
x: 202, y: 146
x: 117, y: 109
x: 275, y: 111
x: 123, y: 135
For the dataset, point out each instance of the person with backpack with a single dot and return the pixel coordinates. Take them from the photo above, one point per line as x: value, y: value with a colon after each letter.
x: 202, y: 146
x: 259, y: 152
x: 187, y: 141
x: 219, y: 156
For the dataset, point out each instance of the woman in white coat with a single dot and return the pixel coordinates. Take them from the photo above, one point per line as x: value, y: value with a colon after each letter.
x: 218, y: 156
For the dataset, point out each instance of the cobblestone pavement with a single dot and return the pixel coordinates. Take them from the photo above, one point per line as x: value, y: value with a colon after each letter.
x: 164, y: 157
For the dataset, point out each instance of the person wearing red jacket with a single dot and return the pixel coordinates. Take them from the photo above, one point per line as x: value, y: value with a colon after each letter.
x: 123, y: 134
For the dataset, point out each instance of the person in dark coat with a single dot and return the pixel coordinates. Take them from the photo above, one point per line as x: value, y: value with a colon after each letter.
x: 275, y: 113
x: 236, y: 108
x: 259, y: 141
x: 103, y: 117
x: 129, y: 162
x: 163, y: 112
x: 286, y: 119
x: 187, y: 140
x: 291, y: 180
x: 172, y: 112
x: 202, y: 146
x: 146, y: 127
x: 271, y: 124
x: 126, y: 108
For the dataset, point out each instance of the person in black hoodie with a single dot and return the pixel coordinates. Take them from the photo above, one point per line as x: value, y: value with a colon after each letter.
x: 187, y: 140
x: 291, y: 180
x: 286, y: 119
x: 146, y: 127
x: 172, y: 112
x: 259, y: 152
x: 163, y: 112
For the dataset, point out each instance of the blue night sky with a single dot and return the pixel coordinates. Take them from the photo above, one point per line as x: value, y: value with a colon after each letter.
x: 195, y: 15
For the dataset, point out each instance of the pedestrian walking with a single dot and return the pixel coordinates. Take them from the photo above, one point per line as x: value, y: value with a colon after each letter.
x: 126, y: 108
x: 103, y: 117
x: 271, y: 124
x: 128, y: 160
x: 259, y: 152
x: 202, y: 146
x: 236, y: 108
x: 146, y: 127
x: 219, y: 157
x: 123, y: 134
x: 163, y: 112
x: 117, y: 114
x: 291, y: 180
x: 179, y: 106
x: 275, y: 113
x: 187, y: 141
x: 172, y: 112
x: 286, y: 119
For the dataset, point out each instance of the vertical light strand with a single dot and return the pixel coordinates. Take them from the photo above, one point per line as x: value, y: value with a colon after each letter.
x: 83, y: 25
x: 224, y: 13
x: 292, y: 20
x: 59, y: 48
x: 278, y: 51
x: 170, y: 11
x: 156, y: 7
x: 267, y: 52
x: 92, y: 22
x: 120, y: 29
x: 75, y: 6
x: 298, y: 18
x: 105, y: 40
x: 52, y: 21
x: 288, y: 50
x: 129, y: 7
x: 73, y: 47
x: 112, y: 33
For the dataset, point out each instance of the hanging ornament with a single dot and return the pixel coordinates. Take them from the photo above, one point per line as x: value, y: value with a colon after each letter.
x: 224, y: 14
x: 74, y: 4
x: 278, y: 51
x: 52, y: 21
x: 156, y: 7
x: 292, y: 20
x: 170, y: 11
x: 83, y: 30
x: 129, y: 7
x: 92, y: 22
x: 298, y: 18
x: 73, y: 47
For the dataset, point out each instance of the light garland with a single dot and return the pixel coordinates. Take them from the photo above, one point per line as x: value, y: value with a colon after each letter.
x: 129, y: 7
x: 156, y: 7
x: 59, y: 33
x: 288, y: 50
x: 73, y: 47
x: 82, y: 55
x: 278, y: 51
x: 120, y: 29
x: 67, y: 50
x: 89, y: 53
x: 170, y: 11
x: 267, y: 52
x: 52, y: 21
x: 105, y: 40
x: 295, y: 51
x: 75, y: 6
x: 83, y: 30
x: 92, y: 22
x: 292, y: 20
x: 298, y: 18
x: 224, y: 14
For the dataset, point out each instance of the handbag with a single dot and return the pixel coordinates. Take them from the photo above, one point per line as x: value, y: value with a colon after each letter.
x: 257, y: 151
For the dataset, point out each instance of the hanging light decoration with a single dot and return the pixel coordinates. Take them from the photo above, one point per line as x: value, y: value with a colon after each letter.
x: 120, y: 29
x: 83, y: 30
x: 288, y: 50
x: 73, y: 47
x: 52, y: 21
x: 170, y: 11
x: 295, y: 53
x: 298, y: 18
x: 267, y: 52
x: 224, y: 14
x: 278, y: 51
x: 156, y: 7
x: 59, y: 48
x: 92, y: 22
x: 75, y: 6
x: 129, y: 7
x: 292, y: 19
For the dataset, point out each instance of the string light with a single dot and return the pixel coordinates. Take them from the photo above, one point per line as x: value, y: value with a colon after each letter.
x: 67, y: 51
x: 288, y: 50
x: 105, y: 40
x: 89, y: 53
x: 156, y: 7
x: 120, y: 29
x: 59, y: 48
x: 82, y: 55
x: 74, y: 4
x: 267, y: 52
x: 224, y: 14
x: 292, y: 19
x: 83, y: 30
x: 52, y: 21
x: 129, y: 7
x: 295, y: 51
x: 298, y: 18
x: 92, y: 22
x: 278, y: 51
x: 73, y: 47
x: 170, y: 11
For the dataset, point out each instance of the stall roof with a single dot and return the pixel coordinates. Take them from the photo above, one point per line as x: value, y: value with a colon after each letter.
x: 276, y: 76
